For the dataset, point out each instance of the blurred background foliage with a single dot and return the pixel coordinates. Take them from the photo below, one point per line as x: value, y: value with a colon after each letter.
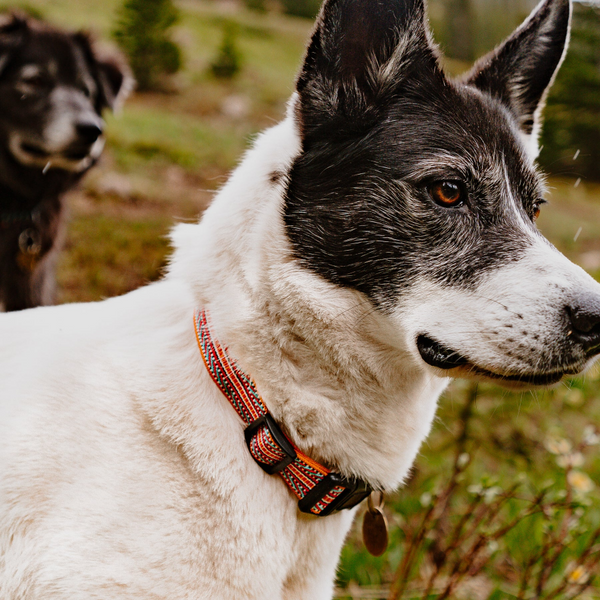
x: 503, y: 501
x: 142, y: 31
x: 466, y: 29
x: 573, y: 112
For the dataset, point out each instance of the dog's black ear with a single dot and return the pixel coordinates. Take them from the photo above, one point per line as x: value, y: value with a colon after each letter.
x: 111, y: 71
x: 360, y: 52
x: 116, y: 81
x: 13, y: 29
x: 521, y: 70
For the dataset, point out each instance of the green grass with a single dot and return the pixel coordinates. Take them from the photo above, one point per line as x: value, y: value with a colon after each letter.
x: 131, y: 252
x: 142, y: 136
x: 83, y: 14
x: 507, y: 442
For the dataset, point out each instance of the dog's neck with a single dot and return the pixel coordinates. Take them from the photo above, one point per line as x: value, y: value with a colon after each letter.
x: 14, y: 202
x: 323, y: 358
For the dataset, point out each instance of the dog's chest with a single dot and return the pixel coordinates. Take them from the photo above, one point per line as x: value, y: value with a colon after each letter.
x: 141, y: 523
x: 129, y: 477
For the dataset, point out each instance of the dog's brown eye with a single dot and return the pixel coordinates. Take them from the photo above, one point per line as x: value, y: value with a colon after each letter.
x: 447, y: 193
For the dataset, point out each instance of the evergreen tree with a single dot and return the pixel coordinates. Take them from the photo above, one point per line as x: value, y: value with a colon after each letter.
x: 227, y: 63
x: 142, y: 32
x: 572, y: 116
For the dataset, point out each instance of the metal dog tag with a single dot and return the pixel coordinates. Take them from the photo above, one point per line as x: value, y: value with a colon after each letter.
x: 375, y: 527
x: 30, y: 247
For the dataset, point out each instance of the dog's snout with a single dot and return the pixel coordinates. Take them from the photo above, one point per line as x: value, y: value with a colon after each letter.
x: 584, y: 322
x: 88, y: 132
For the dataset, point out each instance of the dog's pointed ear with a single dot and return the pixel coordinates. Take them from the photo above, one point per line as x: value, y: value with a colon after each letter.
x: 359, y: 53
x: 521, y: 70
x: 13, y: 29
x: 112, y: 73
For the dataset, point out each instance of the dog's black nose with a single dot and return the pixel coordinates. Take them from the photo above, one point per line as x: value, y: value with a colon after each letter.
x: 584, y: 321
x: 88, y: 132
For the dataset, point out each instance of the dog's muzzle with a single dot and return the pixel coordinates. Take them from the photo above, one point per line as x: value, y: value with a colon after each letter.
x: 580, y: 332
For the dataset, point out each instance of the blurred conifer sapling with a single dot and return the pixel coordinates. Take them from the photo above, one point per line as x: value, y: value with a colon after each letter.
x: 227, y: 63
x: 142, y: 31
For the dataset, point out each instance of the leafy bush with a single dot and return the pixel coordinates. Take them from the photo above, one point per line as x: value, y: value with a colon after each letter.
x: 142, y: 33
x: 504, y: 505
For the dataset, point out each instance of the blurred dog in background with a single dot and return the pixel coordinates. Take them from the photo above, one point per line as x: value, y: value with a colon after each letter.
x: 54, y: 86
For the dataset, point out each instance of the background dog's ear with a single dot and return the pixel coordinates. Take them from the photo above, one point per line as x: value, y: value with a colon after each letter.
x: 116, y: 81
x: 360, y: 52
x: 112, y: 73
x: 13, y: 29
x: 521, y: 70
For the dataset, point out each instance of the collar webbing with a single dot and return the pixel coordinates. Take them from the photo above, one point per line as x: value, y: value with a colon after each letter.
x: 17, y: 217
x: 319, y: 490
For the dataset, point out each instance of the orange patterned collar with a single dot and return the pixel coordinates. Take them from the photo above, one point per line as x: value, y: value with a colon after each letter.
x: 320, y: 491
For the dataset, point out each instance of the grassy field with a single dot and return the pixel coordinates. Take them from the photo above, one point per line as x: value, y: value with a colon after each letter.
x: 503, y: 501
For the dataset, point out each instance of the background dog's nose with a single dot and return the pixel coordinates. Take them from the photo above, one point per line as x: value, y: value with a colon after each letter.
x: 88, y: 132
x: 584, y: 320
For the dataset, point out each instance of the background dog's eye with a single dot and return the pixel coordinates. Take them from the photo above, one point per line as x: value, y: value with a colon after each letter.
x: 37, y: 81
x: 32, y: 85
x: 447, y: 193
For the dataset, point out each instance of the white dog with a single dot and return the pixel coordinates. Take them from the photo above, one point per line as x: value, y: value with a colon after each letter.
x: 377, y: 242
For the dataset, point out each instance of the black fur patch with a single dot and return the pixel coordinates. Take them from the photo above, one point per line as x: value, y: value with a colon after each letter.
x: 357, y: 210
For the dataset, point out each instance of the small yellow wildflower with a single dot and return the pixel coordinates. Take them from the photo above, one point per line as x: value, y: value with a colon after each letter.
x: 580, y: 482
x: 577, y: 574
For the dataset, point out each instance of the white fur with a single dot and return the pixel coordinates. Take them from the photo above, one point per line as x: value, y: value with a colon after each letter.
x: 123, y: 469
x: 53, y: 160
x: 513, y: 312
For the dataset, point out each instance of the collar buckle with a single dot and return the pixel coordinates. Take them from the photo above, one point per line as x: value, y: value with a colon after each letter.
x: 334, y: 493
x: 285, y: 447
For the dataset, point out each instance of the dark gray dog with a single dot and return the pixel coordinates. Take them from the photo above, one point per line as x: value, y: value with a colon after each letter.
x: 53, y: 89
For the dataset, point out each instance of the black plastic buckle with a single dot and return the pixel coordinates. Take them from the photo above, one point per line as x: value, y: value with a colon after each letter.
x: 354, y: 493
x: 279, y: 438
